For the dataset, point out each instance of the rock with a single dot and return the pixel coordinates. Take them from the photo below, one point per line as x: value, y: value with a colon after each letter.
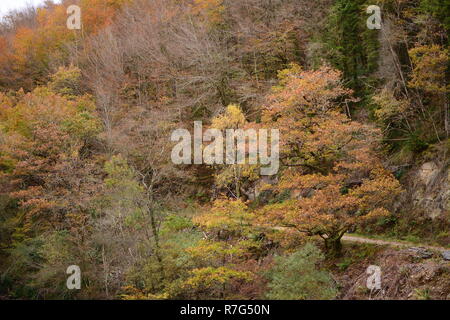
x: 428, y: 172
x: 430, y: 189
x: 446, y: 255
x: 420, y: 252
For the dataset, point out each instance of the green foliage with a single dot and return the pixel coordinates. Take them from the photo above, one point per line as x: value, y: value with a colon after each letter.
x: 344, y: 264
x: 37, y: 267
x: 416, y: 144
x: 153, y: 281
x: 213, y: 282
x: 66, y: 81
x: 439, y: 9
x: 351, y: 46
x: 175, y: 223
x: 124, y: 198
x: 83, y: 125
x: 22, y: 261
x: 296, y: 277
x: 422, y: 294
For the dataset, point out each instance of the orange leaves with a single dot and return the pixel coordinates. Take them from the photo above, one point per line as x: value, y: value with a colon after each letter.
x: 329, y: 204
x: 22, y: 45
x: 96, y: 14
x: 42, y: 134
x: 304, y: 107
x: 376, y: 192
x: 301, y: 93
x: 332, y: 167
x: 28, y: 54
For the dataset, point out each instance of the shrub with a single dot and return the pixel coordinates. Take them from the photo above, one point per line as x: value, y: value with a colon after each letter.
x: 296, y: 277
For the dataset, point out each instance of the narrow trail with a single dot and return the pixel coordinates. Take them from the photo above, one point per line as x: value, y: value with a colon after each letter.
x: 349, y: 238
x: 393, y: 243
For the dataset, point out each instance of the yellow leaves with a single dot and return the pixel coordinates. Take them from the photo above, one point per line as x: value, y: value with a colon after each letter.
x: 66, y: 81
x: 233, y: 118
x: 373, y: 215
x: 210, y: 276
x: 209, y: 10
x: 225, y: 214
x: 388, y: 106
x: 52, y: 18
x: 132, y: 293
x: 43, y: 108
x: 235, y: 175
x: 82, y: 125
x: 277, y: 214
x: 6, y: 104
x: 207, y: 251
x: 284, y: 76
x: 229, y: 174
x: 429, y: 68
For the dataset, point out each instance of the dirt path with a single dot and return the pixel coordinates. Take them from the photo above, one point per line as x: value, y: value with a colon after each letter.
x: 350, y: 238
x: 392, y: 243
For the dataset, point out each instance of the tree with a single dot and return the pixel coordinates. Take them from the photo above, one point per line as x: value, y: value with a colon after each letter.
x: 226, y: 218
x: 219, y: 268
x: 205, y: 262
x: 233, y: 177
x: 46, y: 136
x: 352, y: 48
x: 124, y: 227
x: 48, y: 170
x: 430, y: 66
x: 330, y: 161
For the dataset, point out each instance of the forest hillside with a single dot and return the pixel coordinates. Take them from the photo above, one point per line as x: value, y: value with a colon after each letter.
x: 355, y: 111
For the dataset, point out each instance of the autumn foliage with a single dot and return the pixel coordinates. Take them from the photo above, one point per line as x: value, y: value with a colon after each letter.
x: 332, y: 169
x: 86, y: 118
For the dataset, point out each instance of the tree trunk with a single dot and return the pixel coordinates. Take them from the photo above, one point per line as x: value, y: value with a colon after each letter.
x: 446, y: 116
x: 333, y: 246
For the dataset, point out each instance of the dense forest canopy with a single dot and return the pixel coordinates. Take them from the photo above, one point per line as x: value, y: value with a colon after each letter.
x: 86, y: 117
